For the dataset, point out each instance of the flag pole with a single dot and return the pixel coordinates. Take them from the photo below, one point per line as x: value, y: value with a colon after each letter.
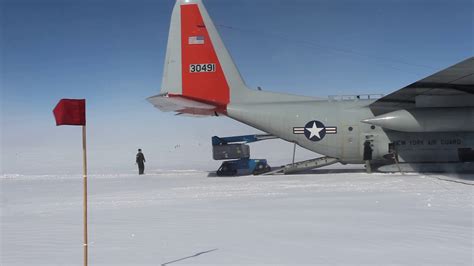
x: 72, y: 112
x: 84, y: 158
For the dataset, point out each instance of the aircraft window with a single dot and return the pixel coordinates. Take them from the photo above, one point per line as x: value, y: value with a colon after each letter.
x: 350, y: 128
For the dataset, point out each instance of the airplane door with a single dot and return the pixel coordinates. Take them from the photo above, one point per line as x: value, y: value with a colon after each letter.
x: 350, y: 143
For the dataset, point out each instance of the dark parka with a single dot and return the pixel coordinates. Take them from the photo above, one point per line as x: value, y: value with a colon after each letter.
x: 140, y: 159
x: 367, y: 151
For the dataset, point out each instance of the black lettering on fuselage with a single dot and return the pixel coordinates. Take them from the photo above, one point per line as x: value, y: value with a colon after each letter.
x: 416, y: 142
x: 451, y: 142
x: 431, y: 142
x: 400, y: 142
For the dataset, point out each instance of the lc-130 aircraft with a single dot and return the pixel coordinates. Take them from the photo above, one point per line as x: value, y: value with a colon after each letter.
x: 429, y: 122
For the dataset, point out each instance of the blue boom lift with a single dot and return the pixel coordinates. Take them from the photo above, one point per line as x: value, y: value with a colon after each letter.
x: 225, y: 148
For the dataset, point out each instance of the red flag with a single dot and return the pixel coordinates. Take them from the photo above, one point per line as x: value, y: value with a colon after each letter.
x: 70, y: 112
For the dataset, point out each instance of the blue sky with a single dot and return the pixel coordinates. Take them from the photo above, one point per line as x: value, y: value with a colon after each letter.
x: 111, y: 53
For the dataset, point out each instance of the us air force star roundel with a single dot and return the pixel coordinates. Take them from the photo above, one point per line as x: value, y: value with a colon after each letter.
x: 315, y: 130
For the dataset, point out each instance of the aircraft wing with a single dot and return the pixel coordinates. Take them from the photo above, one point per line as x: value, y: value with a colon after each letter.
x: 451, y: 87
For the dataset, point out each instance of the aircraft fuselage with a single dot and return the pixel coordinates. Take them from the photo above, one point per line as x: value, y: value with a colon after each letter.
x: 334, y: 128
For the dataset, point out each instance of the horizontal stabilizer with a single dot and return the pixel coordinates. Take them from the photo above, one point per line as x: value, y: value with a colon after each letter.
x: 178, y: 103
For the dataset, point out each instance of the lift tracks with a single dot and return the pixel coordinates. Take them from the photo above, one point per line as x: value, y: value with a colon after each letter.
x: 304, y: 165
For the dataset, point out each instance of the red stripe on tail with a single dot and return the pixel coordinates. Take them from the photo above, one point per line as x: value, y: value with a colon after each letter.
x: 209, y: 85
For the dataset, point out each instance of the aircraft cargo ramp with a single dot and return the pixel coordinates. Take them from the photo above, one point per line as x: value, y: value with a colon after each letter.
x: 304, y: 165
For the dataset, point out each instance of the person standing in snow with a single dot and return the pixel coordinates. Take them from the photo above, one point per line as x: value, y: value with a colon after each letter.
x: 140, y: 160
x: 368, y: 156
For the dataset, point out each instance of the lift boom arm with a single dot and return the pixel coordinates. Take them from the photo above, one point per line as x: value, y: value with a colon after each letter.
x: 240, y: 139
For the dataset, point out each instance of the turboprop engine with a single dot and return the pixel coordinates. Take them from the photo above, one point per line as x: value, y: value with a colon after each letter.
x: 426, y: 120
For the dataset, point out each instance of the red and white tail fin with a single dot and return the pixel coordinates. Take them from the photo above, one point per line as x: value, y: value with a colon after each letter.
x: 199, y: 75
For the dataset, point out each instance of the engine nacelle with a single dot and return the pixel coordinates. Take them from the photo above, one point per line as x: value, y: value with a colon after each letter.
x: 426, y: 120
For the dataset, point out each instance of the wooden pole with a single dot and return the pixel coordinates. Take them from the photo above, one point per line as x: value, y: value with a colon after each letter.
x: 84, y: 158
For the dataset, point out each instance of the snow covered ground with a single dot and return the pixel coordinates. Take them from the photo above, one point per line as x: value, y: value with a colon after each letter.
x: 339, y: 217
